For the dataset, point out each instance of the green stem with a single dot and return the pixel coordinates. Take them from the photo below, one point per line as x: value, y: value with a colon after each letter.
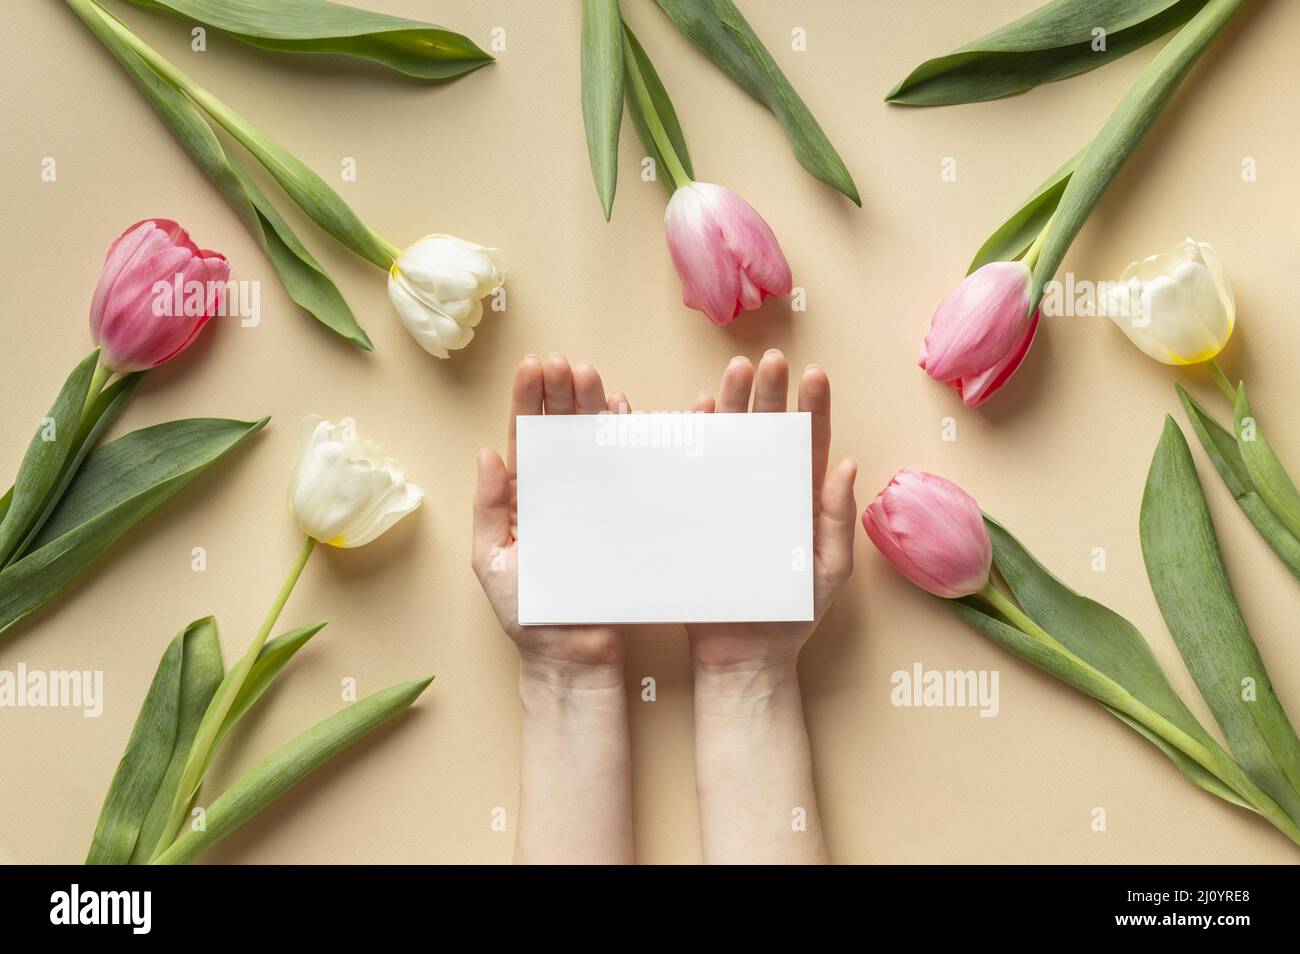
x: 97, y: 382
x: 391, y: 250
x: 676, y: 171
x: 1030, y: 257
x: 321, y: 203
x: 1117, y: 697
x: 1222, y: 381
x: 235, y: 124
x: 203, y: 748
x: 282, y: 597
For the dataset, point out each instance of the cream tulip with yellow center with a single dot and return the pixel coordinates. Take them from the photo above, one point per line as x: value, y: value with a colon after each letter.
x: 346, y: 491
x: 437, y: 286
x: 1176, y: 306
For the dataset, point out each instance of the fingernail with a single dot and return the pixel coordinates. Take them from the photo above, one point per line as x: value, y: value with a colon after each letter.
x: 773, y: 351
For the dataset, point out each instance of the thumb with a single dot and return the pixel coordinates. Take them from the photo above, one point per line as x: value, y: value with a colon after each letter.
x: 837, y: 522
x: 491, y: 507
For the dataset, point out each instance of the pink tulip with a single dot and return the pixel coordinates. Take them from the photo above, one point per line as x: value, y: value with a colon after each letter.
x: 933, y: 533
x: 981, y: 332
x: 156, y: 292
x: 726, y: 255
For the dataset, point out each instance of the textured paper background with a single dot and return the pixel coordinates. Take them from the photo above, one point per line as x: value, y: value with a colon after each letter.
x: 499, y: 157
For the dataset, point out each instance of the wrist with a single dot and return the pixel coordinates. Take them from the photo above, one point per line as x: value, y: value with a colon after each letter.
x: 568, y: 700
x: 559, y: 675
x: 750, y: 680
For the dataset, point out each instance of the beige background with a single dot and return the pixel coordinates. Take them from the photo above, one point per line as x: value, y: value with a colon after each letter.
x: 499, y: 157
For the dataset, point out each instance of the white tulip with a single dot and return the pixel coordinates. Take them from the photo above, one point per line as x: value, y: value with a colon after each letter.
x: 345, y: 491
x: 1177, y: 306
x: 437, y: 285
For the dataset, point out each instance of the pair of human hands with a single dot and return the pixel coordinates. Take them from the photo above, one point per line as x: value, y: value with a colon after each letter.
x: 552, y: 386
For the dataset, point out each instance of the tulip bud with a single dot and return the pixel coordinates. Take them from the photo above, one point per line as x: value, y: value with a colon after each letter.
x: 981, y: 332
x: 345, y: 491
x: 933, y: 533
x: 727, y: 257
x: 1178, y: 306
x: 156, y: 292
x: 437, y: 285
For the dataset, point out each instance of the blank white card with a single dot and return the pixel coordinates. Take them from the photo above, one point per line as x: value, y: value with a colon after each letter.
x: 663, y: 518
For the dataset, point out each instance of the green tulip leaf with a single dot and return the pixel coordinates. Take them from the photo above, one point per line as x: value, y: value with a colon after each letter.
x: 725, y: 37
x: 1014, y: 236
x: 1115, y: 648
x: 1056, y: 41
x: 146, y: 776
x: 1221, y: 447
x: 602, y: 93
x: 99, y: 413
x: 640, y: 73
x: 1207, y: 766
x: 273, y: 657
x: 305, y: 281
x: 1184, y: 764
x: 52, y: 444
x: 1102, y: 159
x: 317, y: 26
x: 1191, y: 586
x: 1266, y: 471
x: 289, y: 765
x: 321, y: 203
x: 302, y: 276
x: 1227, y: 780
x: 117, y: 486
x: 1098, y: 635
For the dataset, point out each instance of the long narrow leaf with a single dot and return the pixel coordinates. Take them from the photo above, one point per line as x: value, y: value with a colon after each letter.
x: 1108, y: 642
x: 1191, y: 586
x: 639, y: 69
x: 304, y: 279
x: 1077, y: 674
x: 119, y: 484
x: 200, y: 676
x: 273, y: 657
x: 1189, y: 768
x: 1266, y: 471
x: 1093, y: 632
x: 184, y: 681
x: 1104, y: 156
x: 1057, y: 40
x: 99, y: 413
x: 602, y: 93
x: 52, y: 443
x: 317, y: 26
x: 1221, y: 447
x: 321, y: 203
x: 1014, y: 236
x: 725, y: 37
x: 289, y: 765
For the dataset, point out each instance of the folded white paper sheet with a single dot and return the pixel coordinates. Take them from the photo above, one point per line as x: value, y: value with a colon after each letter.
x: 658, y: 518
